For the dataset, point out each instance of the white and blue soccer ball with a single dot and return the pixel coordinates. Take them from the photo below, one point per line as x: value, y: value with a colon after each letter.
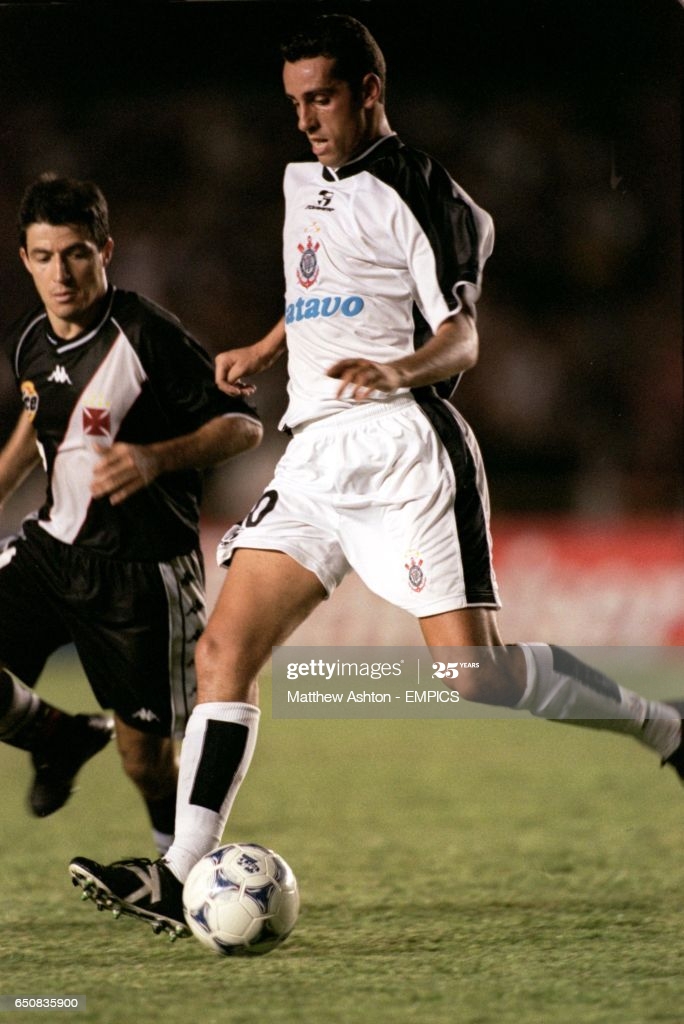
x: 241, y: 899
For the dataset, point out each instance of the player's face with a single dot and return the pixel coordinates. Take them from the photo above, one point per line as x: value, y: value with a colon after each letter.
x: 69, y: 272
x: 335, y: 123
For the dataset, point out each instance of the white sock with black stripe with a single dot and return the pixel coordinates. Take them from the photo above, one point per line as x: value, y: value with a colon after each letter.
x: 562, y: 688
x: 216, y: 753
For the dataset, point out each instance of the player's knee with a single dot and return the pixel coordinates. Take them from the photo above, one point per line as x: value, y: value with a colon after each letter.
x: 153, y: 771
x: 206, y: 651
x: 469, y: 685
x: 489, y: 681
x: 137, y: 769
x: 225, y: 669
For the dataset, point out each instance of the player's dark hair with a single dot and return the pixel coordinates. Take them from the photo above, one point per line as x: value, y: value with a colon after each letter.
x: 343, y: 39
x: 54, y: 200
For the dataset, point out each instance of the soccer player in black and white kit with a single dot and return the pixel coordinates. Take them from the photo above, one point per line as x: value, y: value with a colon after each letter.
x: 383, y: 256
x: 121, y: 405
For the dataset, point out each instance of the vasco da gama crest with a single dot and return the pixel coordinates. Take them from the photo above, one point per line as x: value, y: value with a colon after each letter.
x: 96, y: 421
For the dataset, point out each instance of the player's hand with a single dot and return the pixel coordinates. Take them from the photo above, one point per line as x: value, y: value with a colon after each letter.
x: 232, y: 366
x: 122, y: 470
x: 361, y: 376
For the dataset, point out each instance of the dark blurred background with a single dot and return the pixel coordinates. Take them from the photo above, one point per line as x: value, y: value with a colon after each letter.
x: 562, y: 120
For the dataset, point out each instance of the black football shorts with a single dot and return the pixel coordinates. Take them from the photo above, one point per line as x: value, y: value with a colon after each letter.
x: 134, y: 625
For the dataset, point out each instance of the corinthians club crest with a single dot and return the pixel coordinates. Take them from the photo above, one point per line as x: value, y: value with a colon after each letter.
x: 307, y: 271
x: 416, y: 577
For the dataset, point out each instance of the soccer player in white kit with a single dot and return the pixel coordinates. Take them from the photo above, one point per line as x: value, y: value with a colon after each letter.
x: 383, y: 256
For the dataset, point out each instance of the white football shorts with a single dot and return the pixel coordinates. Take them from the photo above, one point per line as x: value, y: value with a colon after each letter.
x: 395, y: 491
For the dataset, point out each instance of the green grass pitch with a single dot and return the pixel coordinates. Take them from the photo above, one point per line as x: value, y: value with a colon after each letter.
x: 469, y: 872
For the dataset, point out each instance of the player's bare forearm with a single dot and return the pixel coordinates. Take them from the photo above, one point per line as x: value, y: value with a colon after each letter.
x: 126, y: 468
x: 452, y: 350
x: 233, y: 366
x: 18, y: 457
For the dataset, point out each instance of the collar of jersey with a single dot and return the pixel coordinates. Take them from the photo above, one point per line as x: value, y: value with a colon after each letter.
x: 359, y: 163
x: 82, y: 339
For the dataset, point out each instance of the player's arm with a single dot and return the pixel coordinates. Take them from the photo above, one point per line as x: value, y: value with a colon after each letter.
x: 127, y: 468
x: 451, y: 350
x: 18, y: 456
x: 233, y: 366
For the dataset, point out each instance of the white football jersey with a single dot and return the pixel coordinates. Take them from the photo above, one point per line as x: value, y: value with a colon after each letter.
x: 376, y: 255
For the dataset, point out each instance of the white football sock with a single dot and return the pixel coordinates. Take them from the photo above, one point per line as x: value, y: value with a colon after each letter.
x: 563, y: 688
x: 162, y: 840
x: 217, y: 750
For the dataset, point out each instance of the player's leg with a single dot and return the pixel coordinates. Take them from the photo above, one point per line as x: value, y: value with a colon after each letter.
x: 59, y: 743
x: 30, y: 631
x: 151, y: 763
x: 500, y: 678
x: 137, y: 644
x: 432, y: 555
x: 282, y: 560
x: 265, y: 596
x: 551, y: 682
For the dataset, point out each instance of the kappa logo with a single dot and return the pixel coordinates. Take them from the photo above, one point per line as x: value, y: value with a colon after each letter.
x: 145, y: 715
x: 60, y: 376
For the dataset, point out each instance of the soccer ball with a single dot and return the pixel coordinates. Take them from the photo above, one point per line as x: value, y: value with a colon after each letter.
x: 241, y: 900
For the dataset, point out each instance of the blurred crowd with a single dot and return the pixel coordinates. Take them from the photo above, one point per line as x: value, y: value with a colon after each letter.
x: 577, y: 398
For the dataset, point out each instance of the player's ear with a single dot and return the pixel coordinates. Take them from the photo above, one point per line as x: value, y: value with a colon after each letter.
x: 24, y: 258
x: 107, y: 251
x: 371, y: 89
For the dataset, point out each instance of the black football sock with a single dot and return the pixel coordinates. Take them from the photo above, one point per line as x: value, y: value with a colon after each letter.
x: 162, y: 813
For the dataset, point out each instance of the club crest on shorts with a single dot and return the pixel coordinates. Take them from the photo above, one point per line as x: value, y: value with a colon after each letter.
x: 307, y: 272
x: 416, y: 577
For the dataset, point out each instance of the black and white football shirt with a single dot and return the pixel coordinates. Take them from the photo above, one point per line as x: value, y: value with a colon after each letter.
x: 138, y: 377
x: 377, y: 254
